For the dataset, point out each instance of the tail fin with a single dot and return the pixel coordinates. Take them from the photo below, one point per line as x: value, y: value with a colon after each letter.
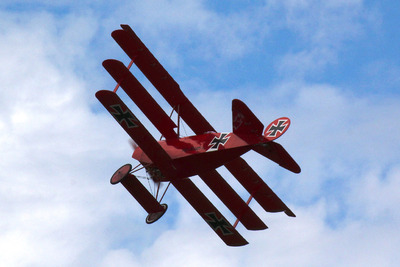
x: 243, y: 119
x: 245, y: 122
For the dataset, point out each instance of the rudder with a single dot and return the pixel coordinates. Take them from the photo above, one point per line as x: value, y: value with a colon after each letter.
x: 243, y: 119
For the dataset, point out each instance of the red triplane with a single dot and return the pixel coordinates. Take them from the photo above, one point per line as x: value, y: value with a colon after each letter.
x: 174, y: 159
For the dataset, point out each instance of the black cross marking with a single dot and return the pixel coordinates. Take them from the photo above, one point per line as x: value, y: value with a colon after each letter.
x: 238, y: 121
x: 221, y: 140
x: 216, y: 223
x: 126, y: 116
x: 275, y: 128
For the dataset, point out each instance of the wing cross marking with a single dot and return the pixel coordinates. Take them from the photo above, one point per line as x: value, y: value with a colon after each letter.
x: 126, y: 116
x: 216, y: 223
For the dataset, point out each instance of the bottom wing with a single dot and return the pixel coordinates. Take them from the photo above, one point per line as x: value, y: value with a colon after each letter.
x: 232, y: 200
x: 136, y: 130
x: 257, y: 187
x: 209, y: 212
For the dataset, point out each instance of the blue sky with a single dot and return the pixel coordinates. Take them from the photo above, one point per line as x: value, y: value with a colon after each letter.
x: 332, y: 66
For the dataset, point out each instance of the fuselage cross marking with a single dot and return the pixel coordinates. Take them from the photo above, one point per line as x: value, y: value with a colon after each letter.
x: 217, y: 141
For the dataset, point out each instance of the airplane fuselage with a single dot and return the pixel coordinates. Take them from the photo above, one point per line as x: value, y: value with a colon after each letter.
x: 200, y: 153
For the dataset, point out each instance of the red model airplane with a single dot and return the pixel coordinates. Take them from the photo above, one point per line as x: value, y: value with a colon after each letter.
x: 175, y: 158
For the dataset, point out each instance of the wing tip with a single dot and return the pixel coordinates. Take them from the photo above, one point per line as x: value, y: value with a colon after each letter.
x: 239, y: 244
x: 289, y: 213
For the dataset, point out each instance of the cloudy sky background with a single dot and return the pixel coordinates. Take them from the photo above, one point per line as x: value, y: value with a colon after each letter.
x: 332, y: 66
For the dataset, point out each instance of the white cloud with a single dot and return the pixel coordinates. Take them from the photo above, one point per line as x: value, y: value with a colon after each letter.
x: 173, y: 27
x: 120, y: 257
x: 50, y: 142
x: 60, y: 209
x: 376, y: 197
x: 321, y: 31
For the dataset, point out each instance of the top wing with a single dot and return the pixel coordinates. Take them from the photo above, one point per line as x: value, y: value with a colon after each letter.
x: 160, y: 78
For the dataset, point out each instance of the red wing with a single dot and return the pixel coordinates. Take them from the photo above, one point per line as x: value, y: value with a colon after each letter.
x: 135, y: 130
x: 160, y: 78
x: 278, y: 154
x: 141, y: 97
x: 209, y: 212
x: 257, y: 187
x: 232, y: 200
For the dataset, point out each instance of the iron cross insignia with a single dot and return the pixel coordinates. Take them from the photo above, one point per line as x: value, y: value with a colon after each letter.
x: 126, y: 116
x: 217, y: 141
x: 216, y: 223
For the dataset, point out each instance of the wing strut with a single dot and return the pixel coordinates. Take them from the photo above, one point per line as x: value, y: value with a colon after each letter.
x: 247, y: 203
x: 118, y: 84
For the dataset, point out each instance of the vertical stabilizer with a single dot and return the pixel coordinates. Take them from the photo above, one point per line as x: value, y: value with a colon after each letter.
x: 243, y: 119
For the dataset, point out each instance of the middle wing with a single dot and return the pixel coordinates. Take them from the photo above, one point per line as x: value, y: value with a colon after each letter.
x: 141, y: 97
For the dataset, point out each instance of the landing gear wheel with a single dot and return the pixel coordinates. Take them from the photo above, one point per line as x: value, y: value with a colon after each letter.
x: 153, y: 217
x: 120, y: 174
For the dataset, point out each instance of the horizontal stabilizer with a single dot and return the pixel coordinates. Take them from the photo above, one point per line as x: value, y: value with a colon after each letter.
x: 243, y: 119
x: 278, y: 154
